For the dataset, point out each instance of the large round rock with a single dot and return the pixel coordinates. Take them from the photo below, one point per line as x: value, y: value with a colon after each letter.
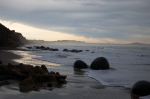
x: 100, y: 63
x: 80, y: 64
x: 141, y: 88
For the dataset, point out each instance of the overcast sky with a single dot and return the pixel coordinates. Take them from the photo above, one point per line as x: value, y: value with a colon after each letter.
x: 113, y: 21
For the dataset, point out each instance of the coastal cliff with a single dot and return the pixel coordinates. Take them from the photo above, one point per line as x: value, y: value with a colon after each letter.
x: 10, y: 38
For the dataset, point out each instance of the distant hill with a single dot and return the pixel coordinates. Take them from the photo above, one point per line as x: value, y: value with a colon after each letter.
x: 59, y: 42
x: 10, y: 38
x: 136, y: 43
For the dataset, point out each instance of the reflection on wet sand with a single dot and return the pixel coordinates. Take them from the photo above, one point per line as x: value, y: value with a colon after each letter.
x: 79, y: 71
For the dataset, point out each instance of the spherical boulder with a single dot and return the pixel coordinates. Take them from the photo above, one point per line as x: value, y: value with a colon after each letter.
x: 100, y: 63
x: 80, y: 64
x: 141, y: 88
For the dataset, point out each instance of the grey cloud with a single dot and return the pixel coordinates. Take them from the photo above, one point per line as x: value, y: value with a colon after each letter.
x: 97, y: 19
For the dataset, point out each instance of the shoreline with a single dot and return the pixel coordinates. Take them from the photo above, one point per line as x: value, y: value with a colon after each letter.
x: 8, y: 57
x: 78, y: 84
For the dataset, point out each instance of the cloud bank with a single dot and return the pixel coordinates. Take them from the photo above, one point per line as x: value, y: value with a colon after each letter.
x: 116, y: 19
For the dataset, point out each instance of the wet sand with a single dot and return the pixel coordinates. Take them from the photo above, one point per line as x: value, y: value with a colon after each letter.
x: 78, y: 85
x: 8, y: 57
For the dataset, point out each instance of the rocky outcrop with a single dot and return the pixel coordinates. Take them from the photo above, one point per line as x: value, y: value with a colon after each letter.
x: 31, y: 78
x: 10, y: 38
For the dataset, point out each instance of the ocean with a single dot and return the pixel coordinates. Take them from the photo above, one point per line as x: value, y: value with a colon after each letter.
x: 129, y: 63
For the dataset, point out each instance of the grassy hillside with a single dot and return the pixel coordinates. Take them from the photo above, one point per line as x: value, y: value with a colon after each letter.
x: 10, y: 37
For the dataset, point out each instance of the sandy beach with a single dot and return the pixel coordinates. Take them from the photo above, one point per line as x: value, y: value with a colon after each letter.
x: 78, y: 85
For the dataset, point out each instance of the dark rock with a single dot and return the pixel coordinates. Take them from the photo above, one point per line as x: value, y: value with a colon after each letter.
x: 62, y: 81
x: 38, y: 80
x: 52, y: 72
x: 141, y: 88
x: 54, y: 49
x: 57, y: 73
x: 29, y: 47
x: 27, y: 82
x: 0, y: 62
x: 44, y: 69
x: 38, y: 70
x: 65, y: 50
x: 100, y: 63
x: 42, y: 47
x: 53, y: 80
x: 27, y: 69
x: 37, y: 47
x: 49, y: 85
x: 3, y: 77
x: 80, y: 64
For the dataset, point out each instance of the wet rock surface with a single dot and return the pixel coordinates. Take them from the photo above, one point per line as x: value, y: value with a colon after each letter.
x: 80, y: 64
x: 141, y: 88
x: 100, y: 63
x: 31, y: 77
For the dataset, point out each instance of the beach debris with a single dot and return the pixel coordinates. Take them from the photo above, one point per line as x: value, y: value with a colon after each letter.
x: 31, y: 77
x: 141, y: 88
x: 100, y: 63
x: 80, y: 64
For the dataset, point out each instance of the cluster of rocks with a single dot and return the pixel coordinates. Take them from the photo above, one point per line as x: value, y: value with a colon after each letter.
x: 44, y: 48
x: 55, y: 49
x: 30, y: 76
x: 73, y: 50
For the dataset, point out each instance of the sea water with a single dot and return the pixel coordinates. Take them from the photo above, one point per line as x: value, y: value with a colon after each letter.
x: 129, y: 63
